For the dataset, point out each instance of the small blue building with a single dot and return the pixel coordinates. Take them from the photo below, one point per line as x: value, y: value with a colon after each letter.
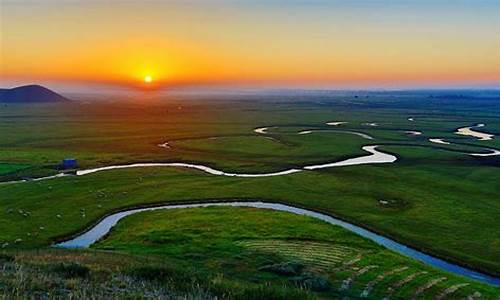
x: 69, y: 163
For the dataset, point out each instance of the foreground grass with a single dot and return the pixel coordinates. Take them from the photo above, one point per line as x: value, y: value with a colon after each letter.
x: 227, y: 253
x: 264, y: 246
x: 59, y: 274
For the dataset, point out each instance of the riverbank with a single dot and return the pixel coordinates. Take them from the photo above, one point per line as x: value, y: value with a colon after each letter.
x: 103, y: 227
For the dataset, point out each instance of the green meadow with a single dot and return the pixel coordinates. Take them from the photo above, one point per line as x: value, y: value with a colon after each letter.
x: 281, y: 248
x: 435, y: 197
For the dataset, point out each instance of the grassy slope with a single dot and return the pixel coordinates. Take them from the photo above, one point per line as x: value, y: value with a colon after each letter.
x: 62, y: 274
x: 238, y: 241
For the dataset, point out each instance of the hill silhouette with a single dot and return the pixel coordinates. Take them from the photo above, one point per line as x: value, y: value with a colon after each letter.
x: 30, y: 94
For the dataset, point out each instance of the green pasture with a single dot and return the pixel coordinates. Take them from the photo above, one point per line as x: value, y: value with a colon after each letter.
x: 438, y: 198
x: 243, y: 244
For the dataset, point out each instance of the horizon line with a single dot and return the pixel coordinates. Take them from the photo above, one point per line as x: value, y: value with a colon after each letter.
x: 99, y: 88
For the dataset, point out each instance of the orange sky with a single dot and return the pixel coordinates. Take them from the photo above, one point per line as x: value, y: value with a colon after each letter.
x: 274, y: 42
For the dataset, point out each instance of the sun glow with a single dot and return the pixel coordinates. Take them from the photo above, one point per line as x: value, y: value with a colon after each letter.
x: 169, y: 44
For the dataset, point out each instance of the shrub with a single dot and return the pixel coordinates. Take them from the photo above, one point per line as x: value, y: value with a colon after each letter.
x: 72, y: 270
x: 313, y: 282
x: 152, y: 272
x: 270, y: 292
x: 286, y: 268
x: 6, y: 257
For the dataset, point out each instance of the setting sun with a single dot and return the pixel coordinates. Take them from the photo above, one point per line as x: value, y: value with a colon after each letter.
x: 148, y: 79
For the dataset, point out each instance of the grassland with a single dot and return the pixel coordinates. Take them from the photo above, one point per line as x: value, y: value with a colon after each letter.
x: 7, y: 168
x: 440, y: 199
x: 57, y: 274
x: 236, y: 253
x: 257, y: 245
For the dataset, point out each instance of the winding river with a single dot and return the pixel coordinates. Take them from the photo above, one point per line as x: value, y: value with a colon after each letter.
x: 439, y: 141
x: 363, y: 135
x: 482, y: 136
x: 492, y: 152
x: 375, y: 157
x: 261, y: 130
x: 413, y: 132
x: 335, y: 123
x: 97, y: 232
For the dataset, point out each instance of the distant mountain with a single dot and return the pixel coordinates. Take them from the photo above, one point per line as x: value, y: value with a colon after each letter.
x: 30, y: 94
